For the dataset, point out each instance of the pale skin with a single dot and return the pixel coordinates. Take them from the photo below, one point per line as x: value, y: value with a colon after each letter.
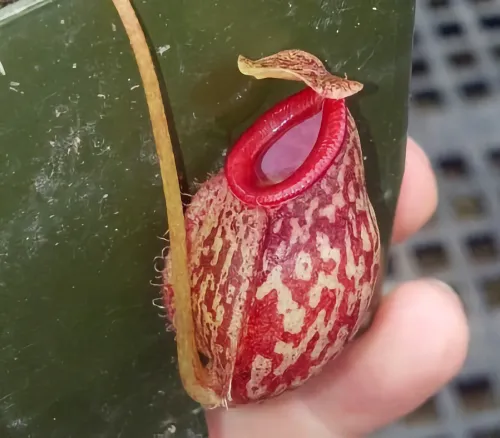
x: 417, y: 343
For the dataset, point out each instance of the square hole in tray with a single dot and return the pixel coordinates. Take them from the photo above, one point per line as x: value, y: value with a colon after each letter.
x: 462, y: 59
x: 451, y: 29
x: 416, y: 38
x: 486, y: 433
x: 468, y: 207
x: 419, y: 67
x: 495, y: 51
x: 482, y: 247
x: 431, y: 257
x: 426, y: 413
x: 476, y: 393
x: 439, y: 4
x: 427, y: 98
x: 491, y: 290
x: 475, y: 90
x: 494, y: 158
x: 481, y: 2
x: 491, y: 22
x: 453, y: 166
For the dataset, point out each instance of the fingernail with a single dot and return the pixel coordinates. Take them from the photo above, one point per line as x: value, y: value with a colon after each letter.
x: 447, y: 289
x: 440, y: 284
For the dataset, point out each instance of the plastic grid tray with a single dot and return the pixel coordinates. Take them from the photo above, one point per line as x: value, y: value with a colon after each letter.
x: 455, y: 116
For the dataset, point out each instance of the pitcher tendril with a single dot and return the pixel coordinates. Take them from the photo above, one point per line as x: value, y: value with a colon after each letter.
x: 193, y: 375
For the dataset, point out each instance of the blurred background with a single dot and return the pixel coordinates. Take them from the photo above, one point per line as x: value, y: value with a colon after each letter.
x: 455, y: 116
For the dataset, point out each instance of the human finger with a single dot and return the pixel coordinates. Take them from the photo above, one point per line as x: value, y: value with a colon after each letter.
x: 417, y: 343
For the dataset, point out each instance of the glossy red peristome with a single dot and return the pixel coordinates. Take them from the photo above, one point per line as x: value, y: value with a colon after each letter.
x: 282, y: 274
x: 246, y: 184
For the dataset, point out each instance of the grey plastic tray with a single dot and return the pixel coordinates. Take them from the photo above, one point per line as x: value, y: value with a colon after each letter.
x: 455, y: 116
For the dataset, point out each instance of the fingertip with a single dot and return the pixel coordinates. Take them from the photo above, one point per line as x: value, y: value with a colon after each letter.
x: 418, y: 196
x: 417, y: 343
x: 436, y: 309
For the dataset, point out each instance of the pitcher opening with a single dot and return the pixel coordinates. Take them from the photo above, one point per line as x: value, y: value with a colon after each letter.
x: 287, y: 149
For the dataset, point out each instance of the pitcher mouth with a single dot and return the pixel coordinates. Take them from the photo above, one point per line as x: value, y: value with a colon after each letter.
x: 245, y: 167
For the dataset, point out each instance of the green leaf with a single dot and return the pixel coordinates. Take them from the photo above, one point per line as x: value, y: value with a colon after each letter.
x: 82, y: 350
